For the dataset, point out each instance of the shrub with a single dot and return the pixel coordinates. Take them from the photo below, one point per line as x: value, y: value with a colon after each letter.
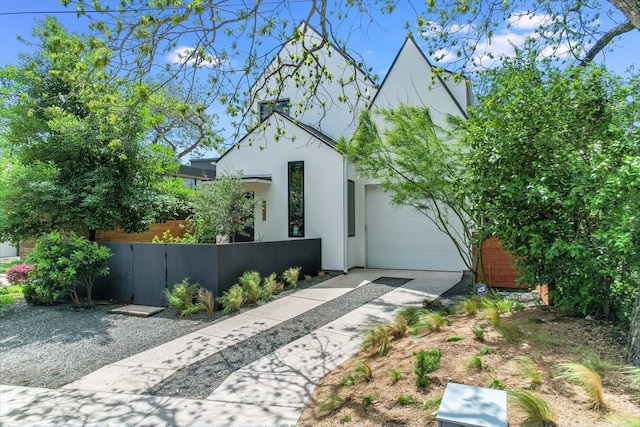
x: 181, y: 298
x: 376, y: 339
x: 61, y: 259
x: 19, y: 273
x: 290, y: 276
x: 584, y: 377
x: 269, y: 287
x: 250, y: 282
x: 537, y: 411
x: 206, y: 298
x: 232, y: 299
x: 426, y: 362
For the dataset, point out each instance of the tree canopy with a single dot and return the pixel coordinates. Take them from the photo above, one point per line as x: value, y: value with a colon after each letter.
x: 73, y: 138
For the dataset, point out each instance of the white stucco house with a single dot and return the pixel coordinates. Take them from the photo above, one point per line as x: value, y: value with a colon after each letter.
x: 310, y: 190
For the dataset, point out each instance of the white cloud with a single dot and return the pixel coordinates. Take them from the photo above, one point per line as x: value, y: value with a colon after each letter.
x: 187, y: 55
x: 528, y: 20
x: 444, y: 55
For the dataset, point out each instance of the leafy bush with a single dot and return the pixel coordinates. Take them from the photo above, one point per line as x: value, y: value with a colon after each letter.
x: 269, y: 287
x: 426, y: 362
x: 182, y: 298
x: 290, y: 276
x: 250, y: 282
x: 19, y: 273
x: 232, y: 299
x: 60, y: 259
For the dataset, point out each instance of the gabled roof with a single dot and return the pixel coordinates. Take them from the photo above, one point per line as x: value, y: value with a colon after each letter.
x: 442, y: 81
x: 316, y: 133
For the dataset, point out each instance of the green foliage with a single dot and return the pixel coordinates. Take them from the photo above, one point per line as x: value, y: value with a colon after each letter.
x: 469, y: 306
x: 418, y: 166
x: 269, y: 287
x: 483, y: 351
x: 398, y: 327
x: 75, y: 134
x: 6, y: 266
x: 478, y: 332
x: 362, y: 371
x: 432, y: 403
x: 528, y: 367
x: 367, y: 401
x: 220, y: 208
x: 584, y: 377
x: 182, y: 298
x: 8, y: 295
x: 410, y: 314
x: 431, y: 322
x: 290, y: 276
x: 473, y: 363
x: 376, y: 339
x: 496, y: 384
x: 345, y: 419
x: 453, y: 338
x: 559, y: 184
x: 537, y: 410
x: 330, y: 404
x: 60, y: 259
x: 496, y: 302
x: 426, y: 362
x: 395, y: 375
x: 633, y: 372
x: 406, y: 400
x: 348, y: 380
x: 250, y: 282
x: 232, y: 299
x: 593, y: 361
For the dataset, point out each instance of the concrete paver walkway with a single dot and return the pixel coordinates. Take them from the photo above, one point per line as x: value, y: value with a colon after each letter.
x: 272, y: 391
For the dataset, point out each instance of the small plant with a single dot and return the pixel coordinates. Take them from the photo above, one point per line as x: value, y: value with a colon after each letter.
x: 268, y: 287
x: 347, y: 381
x: 507, y: 330
x: 250, y: 282
x: 307, y: 277
x: 232, y: 299
x: 321, y: 274
x: 279, y: 288
x: 529, y: 368
x: 432, y: 403
x: 484, y: 350
x: 432, y: 322
x: 206, y: 298
x: 406, y: 400
x: 410, y: 314
x: 633, y: 372
x: 434, y: 305
x: 593, y: 361
x: 395, y: 375
x: 453, y: 338
x: 398, y: 327
x: 367, y: 401
x: 19, y: 273
x: 376, y: 339
x: 495, y: 384
x: 181, y: 298
x: 290, y: 276
x: 362, y: 371
x: 584, y: 377
x: 537, y: 410
x: 469, y: 306
x: 478, y: 332
x: 473, y: 363
x: 330, y: 404
x: 497, y: 302
x: 426, y: 362
x: 345, y: 419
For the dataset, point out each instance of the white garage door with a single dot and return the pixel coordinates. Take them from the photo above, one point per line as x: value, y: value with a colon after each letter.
x: 403, y: 238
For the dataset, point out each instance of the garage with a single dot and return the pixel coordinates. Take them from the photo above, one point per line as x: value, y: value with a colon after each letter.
x: 399, y: 237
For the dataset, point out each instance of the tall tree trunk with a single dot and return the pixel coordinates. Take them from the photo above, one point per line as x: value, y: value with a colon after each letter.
x: 633, y: 354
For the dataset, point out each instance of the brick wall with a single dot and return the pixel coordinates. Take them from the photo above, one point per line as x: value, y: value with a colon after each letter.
x: 499, y: 271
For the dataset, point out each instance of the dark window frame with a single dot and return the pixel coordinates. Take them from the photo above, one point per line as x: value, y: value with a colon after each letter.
x: 267, y: 107
x: 351, y: 208
x: 295, y: 217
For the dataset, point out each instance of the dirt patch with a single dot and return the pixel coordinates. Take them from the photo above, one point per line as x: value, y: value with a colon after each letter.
x: 541, y: 335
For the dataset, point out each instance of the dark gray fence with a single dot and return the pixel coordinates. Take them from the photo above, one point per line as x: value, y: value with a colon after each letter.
x: 140, y: 272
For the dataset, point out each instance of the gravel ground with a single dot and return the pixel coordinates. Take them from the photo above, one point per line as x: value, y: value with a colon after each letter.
x: 53, y: 346
x: 202, y: 378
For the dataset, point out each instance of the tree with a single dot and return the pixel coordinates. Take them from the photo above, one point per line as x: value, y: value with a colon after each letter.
x: 232, y: 43
x: 220, y: 208
x: 415, y: 162
x: 554, y: 168
x: 75, y: 138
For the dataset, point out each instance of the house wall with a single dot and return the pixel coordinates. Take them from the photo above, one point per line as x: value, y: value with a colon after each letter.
x: 334, y: 105
x: 323, y: 185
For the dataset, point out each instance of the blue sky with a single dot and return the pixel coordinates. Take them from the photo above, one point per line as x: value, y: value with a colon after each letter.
x: 377, y: 42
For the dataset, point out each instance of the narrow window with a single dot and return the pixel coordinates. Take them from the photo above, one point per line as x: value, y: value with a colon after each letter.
x: 296, y: 199
x: 351, y: 208
x: 267, y: 107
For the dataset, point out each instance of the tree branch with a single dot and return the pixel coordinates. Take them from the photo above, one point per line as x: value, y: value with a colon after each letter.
x: 605, y: 40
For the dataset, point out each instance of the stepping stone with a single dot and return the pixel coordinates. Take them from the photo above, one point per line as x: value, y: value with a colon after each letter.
x: 137, y: 310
